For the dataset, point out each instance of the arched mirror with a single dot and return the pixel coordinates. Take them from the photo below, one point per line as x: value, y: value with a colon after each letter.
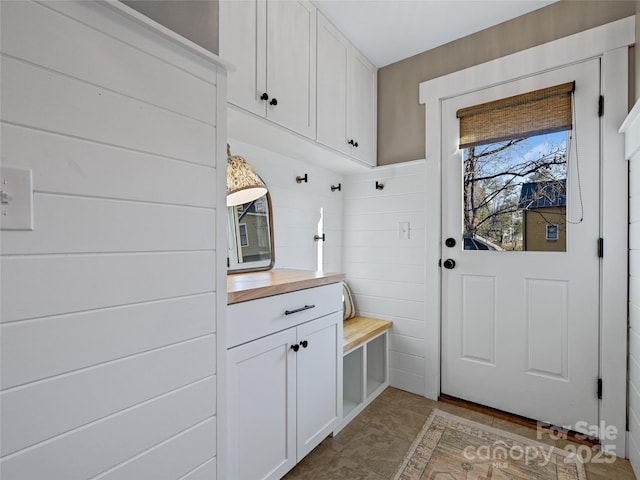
x: 250, y: 236
x: 249, y: 216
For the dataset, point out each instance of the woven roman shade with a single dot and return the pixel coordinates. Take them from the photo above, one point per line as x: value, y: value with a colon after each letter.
x: 534, y: 113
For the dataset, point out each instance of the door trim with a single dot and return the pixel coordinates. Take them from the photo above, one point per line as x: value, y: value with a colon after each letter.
x: 609, y: 42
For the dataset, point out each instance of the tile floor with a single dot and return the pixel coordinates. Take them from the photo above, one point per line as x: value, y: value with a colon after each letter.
x: 373, y: 445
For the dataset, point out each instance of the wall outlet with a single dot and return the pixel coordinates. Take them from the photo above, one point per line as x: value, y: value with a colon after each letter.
x: 16, y: 197
x: 403, y: 230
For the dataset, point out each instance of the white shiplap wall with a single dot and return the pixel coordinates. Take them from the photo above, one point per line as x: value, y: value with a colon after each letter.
x: 387, y: 274
x: 296, y: 208
x: 631, y: 128
x: 109, y: 306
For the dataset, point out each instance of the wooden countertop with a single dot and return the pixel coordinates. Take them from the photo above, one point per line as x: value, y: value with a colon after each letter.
x: 251, y: 286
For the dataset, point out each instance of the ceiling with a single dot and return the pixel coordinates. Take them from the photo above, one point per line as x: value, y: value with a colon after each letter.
x: 387, y: 31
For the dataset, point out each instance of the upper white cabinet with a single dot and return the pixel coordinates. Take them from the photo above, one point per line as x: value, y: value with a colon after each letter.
x: 273, y: 47
x: 363, y: 100
x: 346, y: 97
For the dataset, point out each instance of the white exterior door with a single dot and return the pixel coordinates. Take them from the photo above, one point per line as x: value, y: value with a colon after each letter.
x: 520, y: 329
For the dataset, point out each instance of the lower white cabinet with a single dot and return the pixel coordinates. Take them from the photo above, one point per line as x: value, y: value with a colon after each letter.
x: 284, y: 395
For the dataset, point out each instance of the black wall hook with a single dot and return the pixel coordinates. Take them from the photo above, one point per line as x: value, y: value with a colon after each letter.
x: 304, y: 179
x: 338, y: 188
x: 379, y: 186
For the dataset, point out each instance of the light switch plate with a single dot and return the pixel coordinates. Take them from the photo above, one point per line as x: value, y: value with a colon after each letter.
x: 16, y: 197
x: 403, y: 230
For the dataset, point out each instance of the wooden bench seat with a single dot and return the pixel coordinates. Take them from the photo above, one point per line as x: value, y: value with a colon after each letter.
x: 358, y: 330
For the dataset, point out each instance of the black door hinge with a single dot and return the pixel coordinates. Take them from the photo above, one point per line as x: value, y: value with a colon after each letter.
x: 601, y: 106
x: 599, y: 389
x: 601, y: 247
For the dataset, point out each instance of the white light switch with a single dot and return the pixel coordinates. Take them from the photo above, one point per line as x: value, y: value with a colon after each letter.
x: 16, y: 197
x: 403, y: 230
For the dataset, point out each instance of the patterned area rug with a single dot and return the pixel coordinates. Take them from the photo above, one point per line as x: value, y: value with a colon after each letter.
x: 452, y: 448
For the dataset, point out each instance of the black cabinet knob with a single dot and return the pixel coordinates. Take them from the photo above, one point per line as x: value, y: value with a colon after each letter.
x: 295, y: 347
x: 273, y: 102
x: 450, y: 242
x: 264, y: 96
x: 304, y: 343
x: 449, y: 264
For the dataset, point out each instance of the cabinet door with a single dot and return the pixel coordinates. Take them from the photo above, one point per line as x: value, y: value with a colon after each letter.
x: 243, y: 43
x: 291, y: 65
x: 319, y: 380
x: 261, y: 407
x: 364, y: 99
x: 334, y: 52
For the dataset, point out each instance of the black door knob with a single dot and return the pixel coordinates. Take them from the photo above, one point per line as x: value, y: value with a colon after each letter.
x: 350, y: 142
x: 450, y: 242
x: 449, y: 264
x: 273, y: 102
x: 295, y: 347
x: 355, y: 144
x: 304, y: 343
x: 264, y: 96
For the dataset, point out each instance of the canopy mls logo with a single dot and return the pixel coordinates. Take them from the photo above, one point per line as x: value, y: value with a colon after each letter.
x: 500, y: 453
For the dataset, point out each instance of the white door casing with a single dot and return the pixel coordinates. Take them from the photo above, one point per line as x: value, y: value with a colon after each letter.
x: 520, y: 329
x: 609, y: 42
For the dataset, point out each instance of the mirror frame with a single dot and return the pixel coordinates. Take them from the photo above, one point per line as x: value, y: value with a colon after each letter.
x: 273, y: 250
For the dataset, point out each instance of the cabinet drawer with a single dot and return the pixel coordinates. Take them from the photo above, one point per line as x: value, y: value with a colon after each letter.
x: 256, y: 318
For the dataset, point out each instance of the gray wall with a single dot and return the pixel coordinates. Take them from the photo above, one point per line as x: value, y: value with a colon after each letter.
x: 401, y: 122
x: 196, y: 20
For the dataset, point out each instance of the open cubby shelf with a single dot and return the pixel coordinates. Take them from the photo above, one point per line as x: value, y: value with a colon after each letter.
x: 365, y: 364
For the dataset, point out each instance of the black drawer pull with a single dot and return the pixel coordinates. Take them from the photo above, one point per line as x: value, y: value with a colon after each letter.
x: 301, y: 309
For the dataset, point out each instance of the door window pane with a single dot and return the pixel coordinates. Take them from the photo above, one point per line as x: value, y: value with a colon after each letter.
x: 515, y: 195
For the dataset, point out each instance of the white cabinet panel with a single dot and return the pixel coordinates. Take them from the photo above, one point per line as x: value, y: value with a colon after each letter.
x: 334, y: 52
x: 347, y: 96
x: 262, y: 389
x: 242, y: 41
x: 273, y: 46
x: 319, y: 359
x: 291, y: 65
x: 364, y: 81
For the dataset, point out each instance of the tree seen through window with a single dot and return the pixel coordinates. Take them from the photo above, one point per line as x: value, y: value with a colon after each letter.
x: 512, y: 190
